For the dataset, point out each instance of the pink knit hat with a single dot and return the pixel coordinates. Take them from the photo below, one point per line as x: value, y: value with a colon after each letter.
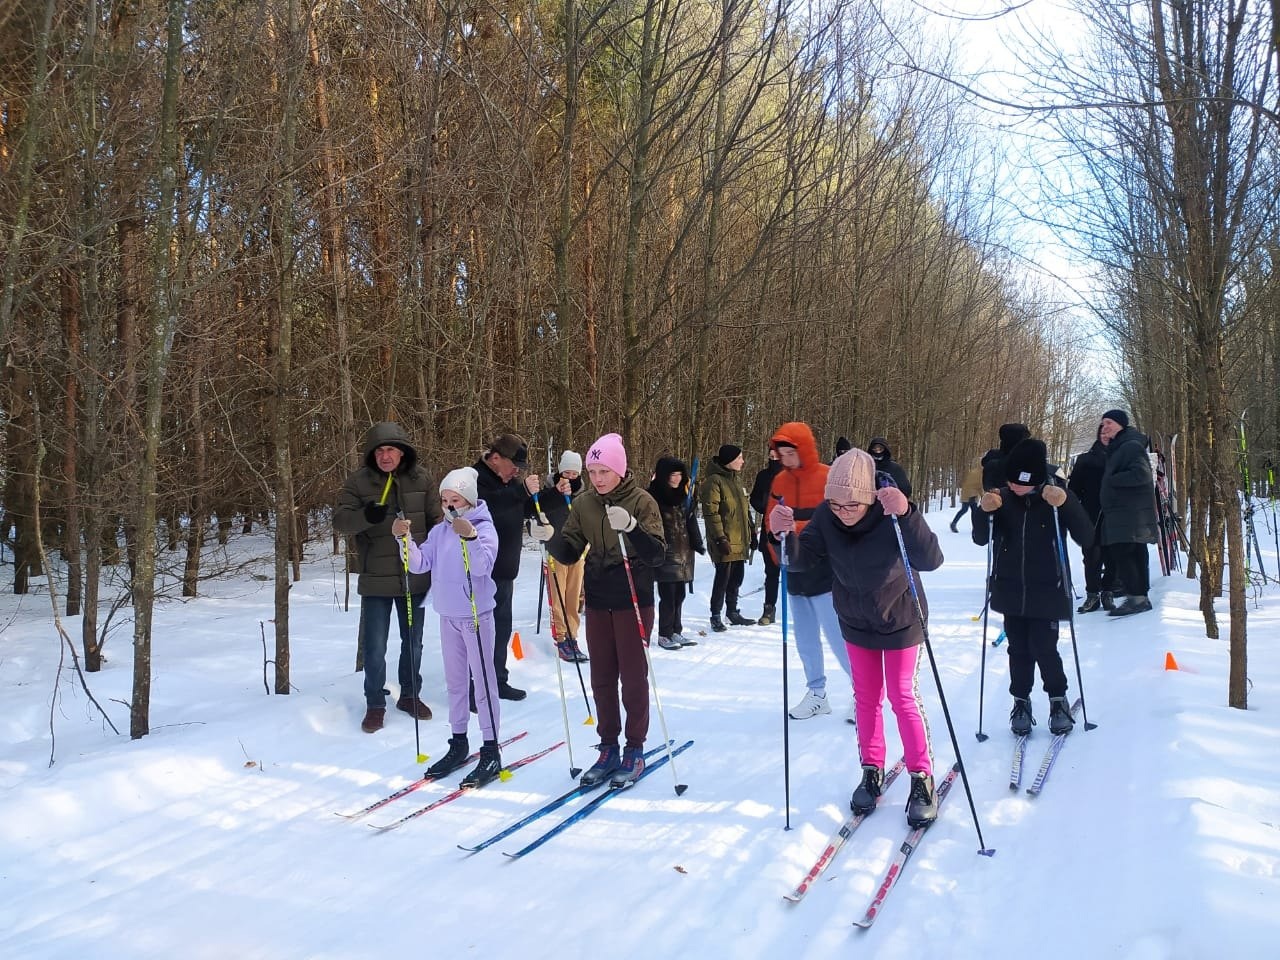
x: 608, y: 452
x: 852, y: 478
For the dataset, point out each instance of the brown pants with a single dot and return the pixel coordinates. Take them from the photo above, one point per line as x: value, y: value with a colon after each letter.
x: 567, y: 583
x: 617, y: 654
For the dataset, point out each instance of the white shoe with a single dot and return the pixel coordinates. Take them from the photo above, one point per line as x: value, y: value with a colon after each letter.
x: 813, y: 704
x: 669, y: 643
x: 852, y: 715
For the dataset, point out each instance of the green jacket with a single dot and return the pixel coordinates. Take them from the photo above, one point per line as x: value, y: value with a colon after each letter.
x: 725, y: 513
x: 412, y: 490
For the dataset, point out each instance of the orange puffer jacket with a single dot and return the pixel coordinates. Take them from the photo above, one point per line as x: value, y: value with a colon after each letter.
x: 802, y: 488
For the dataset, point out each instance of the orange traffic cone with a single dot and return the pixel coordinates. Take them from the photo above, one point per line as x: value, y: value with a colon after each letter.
x: 515, y: 646
x: 1169, y: 662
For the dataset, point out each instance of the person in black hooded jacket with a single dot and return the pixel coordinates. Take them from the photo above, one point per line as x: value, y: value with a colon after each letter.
x: 1099, y: 570
x: 670, y: 489
x: 1011, y: 434
x: 759, y: 501
x: 1128, y: 501
x: 1027, y: 577
x: 883, y: 456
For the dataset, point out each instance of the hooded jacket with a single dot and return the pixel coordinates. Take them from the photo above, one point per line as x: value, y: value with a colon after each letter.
x: 890, y: 466
x: 679, y: 525
x: 453, y: 577
x: 1127, y: 495
x: 1086, y: 478
x: 604, y: 577
x: 726, y: 513
x: 803, y: 489
x: 412, y: 491
x: 871, y: 592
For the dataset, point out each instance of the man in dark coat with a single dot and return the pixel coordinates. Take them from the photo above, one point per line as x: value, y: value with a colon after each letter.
x: 883, y: 456
x: 759, y: 501
x: 391, y: 482
x: 1099, y: 569
x: 510, y: 503
x: 1128, y: 504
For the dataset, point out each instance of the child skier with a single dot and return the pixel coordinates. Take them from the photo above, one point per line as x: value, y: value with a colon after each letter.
x: 1026, y: 577
x: 852, y: 531
x: 613, y: 508
x: 459, y: 553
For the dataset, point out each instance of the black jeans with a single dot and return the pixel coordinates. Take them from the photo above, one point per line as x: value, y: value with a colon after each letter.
x: 670, y: 605
x: 772, y: 572
x: 1034, y: 642
x: 724, y: 588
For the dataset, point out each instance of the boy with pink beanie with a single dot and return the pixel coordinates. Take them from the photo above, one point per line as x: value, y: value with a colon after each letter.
x: 613, y: 506
x: 852, y: 531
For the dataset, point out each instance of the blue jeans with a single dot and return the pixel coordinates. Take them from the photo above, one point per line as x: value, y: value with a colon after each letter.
x: 809, y: 615
x: 375, y: 617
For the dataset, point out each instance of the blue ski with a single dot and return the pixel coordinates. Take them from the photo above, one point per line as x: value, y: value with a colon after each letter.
x: 584, y: 811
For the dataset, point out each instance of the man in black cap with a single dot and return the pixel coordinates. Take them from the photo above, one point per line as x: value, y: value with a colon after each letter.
x: 727, y: 516
x: 510, y: 503
x: 1128, y: 505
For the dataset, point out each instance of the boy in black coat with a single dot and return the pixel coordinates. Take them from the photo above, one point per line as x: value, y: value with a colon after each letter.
x: 1026, y: 577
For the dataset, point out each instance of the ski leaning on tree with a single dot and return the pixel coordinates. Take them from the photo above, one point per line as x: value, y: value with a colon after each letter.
x: 852, y: 532
x: 613, y: 506
x: 1027, y: 580
x: 390, y: 482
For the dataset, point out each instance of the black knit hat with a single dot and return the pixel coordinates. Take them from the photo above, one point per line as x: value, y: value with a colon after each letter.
x: 842, y: 445
x: 1027, y: 463
x: 1011, y: 434
x: 728, y: 453
x: 1119, y: 416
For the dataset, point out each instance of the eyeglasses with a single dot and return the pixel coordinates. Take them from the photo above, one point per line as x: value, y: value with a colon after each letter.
x: 845, y: 507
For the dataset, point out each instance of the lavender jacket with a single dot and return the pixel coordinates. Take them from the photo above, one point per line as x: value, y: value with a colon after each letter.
x: 441, y: 555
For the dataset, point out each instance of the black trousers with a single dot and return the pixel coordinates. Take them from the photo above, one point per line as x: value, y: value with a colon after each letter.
x: 724, y: 588
x: 1034, y: 643
x: 1133, y: 567
x: 670, y: 605
x: 1099, y: 568
x: 772, y: 573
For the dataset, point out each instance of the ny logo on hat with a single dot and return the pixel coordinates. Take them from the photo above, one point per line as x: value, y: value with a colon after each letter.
x: 594, y: 454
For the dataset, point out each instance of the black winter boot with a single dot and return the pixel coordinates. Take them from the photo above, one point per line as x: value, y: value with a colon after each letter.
x: 487, y: 770
x: 717, y: 624
x: 1060, y: 720
x: 1134, y: 603
x: 1092, y: 602
x: 455, y: 757
x: 738, y: 620
x: 767, y: 616
x: 1108, y: 600
x: 1020, y: 719
x: 922, y: 805
x: 868, y: 791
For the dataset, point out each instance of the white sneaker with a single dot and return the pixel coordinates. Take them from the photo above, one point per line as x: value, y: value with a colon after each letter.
x: 669, y: 643
x: 852, y: 715
x: 813, y: 704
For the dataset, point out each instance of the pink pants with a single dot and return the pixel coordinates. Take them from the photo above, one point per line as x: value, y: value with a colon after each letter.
x: 896, y: 670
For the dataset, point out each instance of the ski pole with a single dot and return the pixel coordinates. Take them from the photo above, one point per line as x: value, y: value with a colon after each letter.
x: 414, y: 648
x: 783, y: 564
x: 1064, y: 571
x: 503, y: 773
x: 983, y: 849
x: 982, y: 676
x: 653, y: 680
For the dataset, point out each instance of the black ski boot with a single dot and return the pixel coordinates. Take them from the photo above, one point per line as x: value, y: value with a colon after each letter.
x: 487, y: 770
x: 738, y: 620
x: 922, y: 805
x: 632, y: 767
x: 717, y: 624
x: 603, y: 768
x: 767, y: 616
x: 864, y: 797
x: 1020, y: 719
x: 1060, y: 720
x: 455, y: 757
x: 1092, y: 602
x: 1134, y: 603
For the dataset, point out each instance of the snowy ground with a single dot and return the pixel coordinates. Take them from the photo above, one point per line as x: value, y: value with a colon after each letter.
x: 1158, y: 835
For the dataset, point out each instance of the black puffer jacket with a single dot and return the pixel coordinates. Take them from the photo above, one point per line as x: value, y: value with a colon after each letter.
x: 871, y: 592
x: 1026, y: 567
x: 412, y: 490
x: 679, y: 524
x: 1128, y: 494
x: 509, y: 506
x: 890, y: 466
x: 1086, y: 479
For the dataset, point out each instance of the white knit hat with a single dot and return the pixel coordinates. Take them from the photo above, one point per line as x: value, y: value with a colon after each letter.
x: 570, y: 461
x: 462, y: 481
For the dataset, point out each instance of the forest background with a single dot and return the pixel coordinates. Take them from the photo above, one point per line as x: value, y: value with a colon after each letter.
x: 236, y: 233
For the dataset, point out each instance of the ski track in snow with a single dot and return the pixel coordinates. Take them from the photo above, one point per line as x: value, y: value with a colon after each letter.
x: 1156, y: 837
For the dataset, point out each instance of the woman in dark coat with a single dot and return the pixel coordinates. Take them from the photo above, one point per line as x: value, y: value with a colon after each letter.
x: 670, y: 488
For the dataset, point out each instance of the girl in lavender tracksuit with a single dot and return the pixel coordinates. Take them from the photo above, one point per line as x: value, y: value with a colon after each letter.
x: 459, y: 553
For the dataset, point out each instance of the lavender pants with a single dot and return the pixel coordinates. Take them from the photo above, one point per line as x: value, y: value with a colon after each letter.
x: 465, y: 658
x: 894, y: 671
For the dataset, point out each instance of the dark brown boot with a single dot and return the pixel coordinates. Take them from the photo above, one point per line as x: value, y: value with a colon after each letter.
x: 373, y: 718
x: 414, y: 707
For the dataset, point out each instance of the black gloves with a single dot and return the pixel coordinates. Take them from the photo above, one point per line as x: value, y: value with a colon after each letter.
x: 722, y: 544
x: 375, y: 513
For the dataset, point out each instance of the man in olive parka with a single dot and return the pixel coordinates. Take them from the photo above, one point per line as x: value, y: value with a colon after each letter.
x: 390, y: 482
